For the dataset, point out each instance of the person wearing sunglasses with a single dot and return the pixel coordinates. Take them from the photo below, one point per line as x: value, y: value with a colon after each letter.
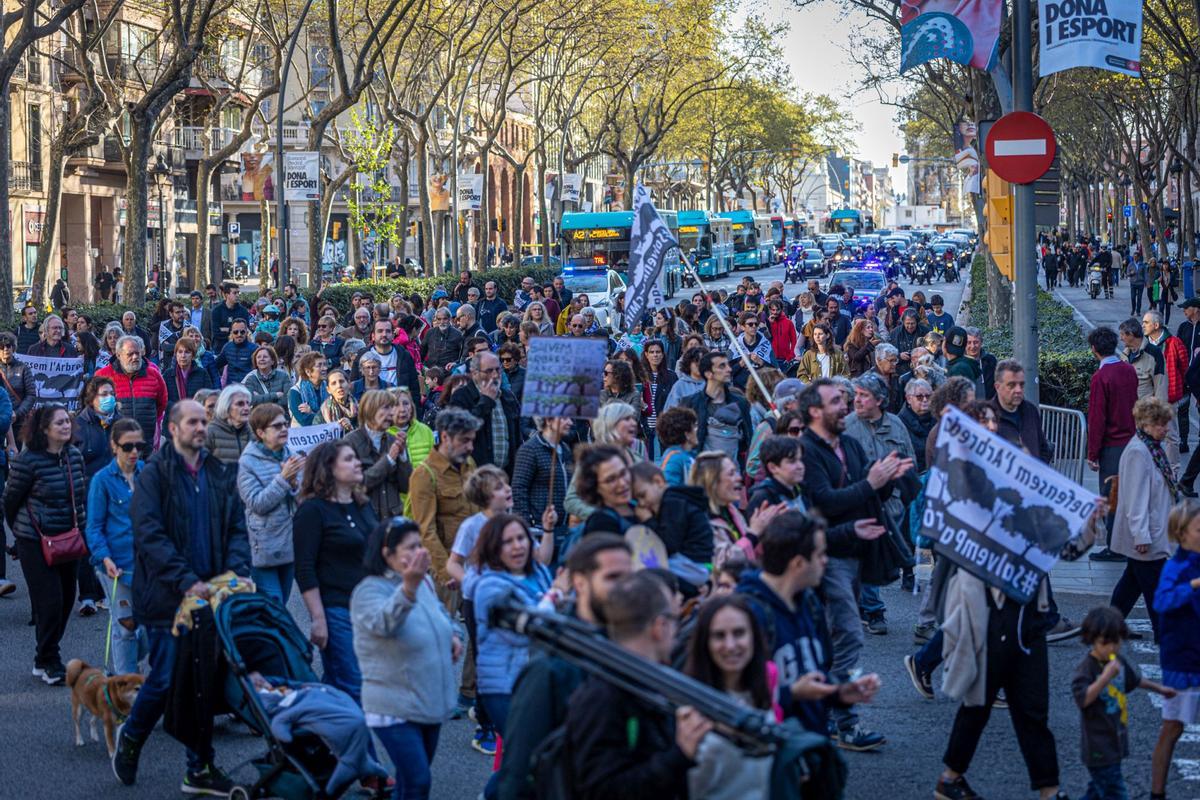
x: 268, y: 477
x: 917, y: 417
x: 110, y: 539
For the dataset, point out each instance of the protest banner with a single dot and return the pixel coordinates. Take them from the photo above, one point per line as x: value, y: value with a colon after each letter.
x: 1105, y: 34
x: 650, y: 246
x: 303, y: 439
x: 996, y: 511
x: 56, y: 380
x: 564, y: 377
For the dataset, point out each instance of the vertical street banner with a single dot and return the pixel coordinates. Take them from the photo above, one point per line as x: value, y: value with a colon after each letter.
x: 996, y: 511
x: 470, y: 191
x: 301, y: 177
x: 305, y: 438
x: 56, y: 380
x: 966, y: 157
x: 650, y: 244
x: 1105, y: 34
x: 564, y: 377
x: 258, y: 176
x: 572, y: 184
x: 964, y: 31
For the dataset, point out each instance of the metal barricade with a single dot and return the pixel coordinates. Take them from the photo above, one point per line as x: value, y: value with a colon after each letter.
x: 1066, y: 430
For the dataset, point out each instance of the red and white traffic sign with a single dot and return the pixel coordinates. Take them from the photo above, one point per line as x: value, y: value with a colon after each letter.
x: 1020, y: 147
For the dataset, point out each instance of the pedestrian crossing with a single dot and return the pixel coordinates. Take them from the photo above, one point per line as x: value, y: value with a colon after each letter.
x: 1144, y: 653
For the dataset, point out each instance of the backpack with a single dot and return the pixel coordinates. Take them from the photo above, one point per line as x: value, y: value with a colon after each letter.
x: 550, y: 766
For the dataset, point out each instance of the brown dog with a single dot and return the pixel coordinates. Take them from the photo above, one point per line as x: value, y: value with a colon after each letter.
x: 106, y: 699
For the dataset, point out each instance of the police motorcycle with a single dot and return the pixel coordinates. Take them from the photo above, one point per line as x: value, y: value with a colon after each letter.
x: 950, y: 267
x: 921, y: 269
x: 1095, y: 279
x: 793, y: 265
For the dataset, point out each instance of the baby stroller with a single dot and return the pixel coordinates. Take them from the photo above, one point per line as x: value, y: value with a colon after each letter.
x: 258, y: 635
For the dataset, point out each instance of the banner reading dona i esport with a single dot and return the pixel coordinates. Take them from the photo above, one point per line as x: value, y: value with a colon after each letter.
x: 1106, y: 34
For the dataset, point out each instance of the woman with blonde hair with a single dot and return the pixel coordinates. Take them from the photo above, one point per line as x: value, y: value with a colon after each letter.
x: 734, y: 538
x: 382, y: 449
x: 535, y: 312
x: 1147, y: 488
x: 616, y: 424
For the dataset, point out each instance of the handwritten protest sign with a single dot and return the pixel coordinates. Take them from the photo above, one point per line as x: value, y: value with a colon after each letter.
x: 304, y: 439
x: 56, y: 380
x: 997, y: 511
x: 564, y: 377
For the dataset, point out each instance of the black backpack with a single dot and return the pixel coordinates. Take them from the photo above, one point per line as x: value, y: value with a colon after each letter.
x: 550, y: 766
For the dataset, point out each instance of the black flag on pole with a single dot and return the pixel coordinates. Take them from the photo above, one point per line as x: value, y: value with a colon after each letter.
x: 650, y: 241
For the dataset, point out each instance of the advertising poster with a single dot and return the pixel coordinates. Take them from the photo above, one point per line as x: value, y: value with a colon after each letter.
x: 1105, y: 34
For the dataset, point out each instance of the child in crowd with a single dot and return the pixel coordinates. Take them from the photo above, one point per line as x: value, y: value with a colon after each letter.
x: 1177, y: 602
x: 433, y: 384
x: 1100, y: 684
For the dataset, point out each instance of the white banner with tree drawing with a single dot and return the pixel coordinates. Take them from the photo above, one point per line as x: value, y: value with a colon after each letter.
x: 57, y: 380
x: 996, y: 511
x: 564, y: 377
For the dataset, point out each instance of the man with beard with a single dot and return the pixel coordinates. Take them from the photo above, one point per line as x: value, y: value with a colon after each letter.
x: 844, y: 487
x: 540, y: 695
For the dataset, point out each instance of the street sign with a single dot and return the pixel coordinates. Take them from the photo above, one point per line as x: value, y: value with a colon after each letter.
x: 235, y: 228
x: 904, y: 159
x: 1145, y: 207
x: 1020, y: 147
x: 1127, y: 211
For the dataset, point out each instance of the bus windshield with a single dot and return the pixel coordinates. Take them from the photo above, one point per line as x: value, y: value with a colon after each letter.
x: 692, y: 237
x: 777, y: 231
x: 744, y: 238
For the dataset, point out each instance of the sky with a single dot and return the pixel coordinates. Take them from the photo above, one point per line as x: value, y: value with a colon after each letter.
x: 815, y: 49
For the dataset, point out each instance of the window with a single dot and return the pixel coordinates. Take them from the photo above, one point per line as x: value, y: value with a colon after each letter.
x: 33, y: 144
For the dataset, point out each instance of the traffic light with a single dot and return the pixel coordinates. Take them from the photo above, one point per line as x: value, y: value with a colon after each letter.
x: 895, y: 160
x: 999, y: 223
x: 1110, y: 218
x: 337, y: 230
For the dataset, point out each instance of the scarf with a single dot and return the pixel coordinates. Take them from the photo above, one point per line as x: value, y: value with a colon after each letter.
x: 333, y: 411
x: 1160, y: 461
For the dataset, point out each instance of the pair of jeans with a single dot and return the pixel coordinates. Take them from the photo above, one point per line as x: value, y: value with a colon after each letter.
x: 841, y: 587
x: 869, y: 601
x: 90, y: 586
x: 274, y: 581
x: 52, y: 595
x: 1183, y: 415
x: 1110, y: 465
x: 151, y: 700
x: 338, y: 663
x: 1140, y: 579
x: 930, y: 655
x: 467, y: 689
x: 1022, y: 669
x: 411, y: 747
x: 1107, y: 783
x: 129, y: 647
x: 1135, y: 299
x: 496, y: 706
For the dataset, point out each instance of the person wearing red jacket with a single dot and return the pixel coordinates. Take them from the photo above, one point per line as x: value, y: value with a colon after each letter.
x: 140, y: 388
x: 783, y: 333
x: 1176, y: 357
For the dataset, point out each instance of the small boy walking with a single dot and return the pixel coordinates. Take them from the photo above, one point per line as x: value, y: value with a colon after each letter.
x: 1100, y: 684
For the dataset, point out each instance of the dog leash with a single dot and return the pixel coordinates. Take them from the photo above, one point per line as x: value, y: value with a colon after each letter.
x: 112, y: 600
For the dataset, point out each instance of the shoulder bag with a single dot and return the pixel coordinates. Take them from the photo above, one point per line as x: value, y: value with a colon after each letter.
x: 61, y: 548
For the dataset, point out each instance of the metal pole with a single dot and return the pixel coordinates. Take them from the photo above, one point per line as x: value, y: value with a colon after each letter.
x: 281, y: 209
x: 162, y: 240
x: 1025, y: 323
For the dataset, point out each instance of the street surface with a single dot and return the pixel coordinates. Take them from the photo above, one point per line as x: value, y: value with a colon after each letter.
x: 40, y: 759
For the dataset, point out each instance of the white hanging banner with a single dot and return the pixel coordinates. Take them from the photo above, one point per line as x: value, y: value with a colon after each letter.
x: 1105, y: 34
x: 572, y: 184
x: 470, y: 191
x: 301, y: 176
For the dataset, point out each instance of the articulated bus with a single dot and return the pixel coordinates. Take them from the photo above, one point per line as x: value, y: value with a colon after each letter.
x: 599, y: 241
x: 707, y: 241
x: 753, y: 244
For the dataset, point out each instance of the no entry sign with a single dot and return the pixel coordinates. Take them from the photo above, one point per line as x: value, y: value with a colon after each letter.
x: 1020, y: 147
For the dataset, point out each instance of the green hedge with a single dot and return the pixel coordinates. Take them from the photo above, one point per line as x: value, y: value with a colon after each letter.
x: 508, y: 280
x: 1065, y: 364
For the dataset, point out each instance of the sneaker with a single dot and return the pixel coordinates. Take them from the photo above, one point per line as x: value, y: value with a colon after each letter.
x: 923, y: 633
x: 473, y: 715
x: 52, y: 676
x: 1001, y: 701
x: 1106, y: 555
x: 957, y: 789
x: 7, y: 587
x: 378, y: 786
x: 921, y: 681
x: 87, y: 608
x: 102, y: 605
x: 484, y: 741
x: 908, y: 582
x: 859, y: 740
x: 1063, y: 629
x: 877, y: 624
x: 125, y: 757
x: 209, y: 781
x: 462, y: 707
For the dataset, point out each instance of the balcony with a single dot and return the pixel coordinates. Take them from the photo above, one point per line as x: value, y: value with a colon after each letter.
x: 344, y: 195
x: 66, y: 66
x: 26, y: 176
x: 143, y: 67
x: 199, y: 142
x: 294, y: 134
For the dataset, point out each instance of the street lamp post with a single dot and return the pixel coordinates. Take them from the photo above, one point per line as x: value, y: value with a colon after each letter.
x: 161, y: 172
x: 281, y: 209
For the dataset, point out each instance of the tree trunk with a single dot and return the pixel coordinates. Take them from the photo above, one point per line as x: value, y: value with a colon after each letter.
x: 203, y: 272
x: 316, y: 234
x: 630, y: 177
x: 264, y: 255
x: 137, y: 193
x: 41, y: 270
x: 518, y: 212
x: 428, y: 260
x: 402, y: 233
x: 543, y: 213
x: 485, y: 212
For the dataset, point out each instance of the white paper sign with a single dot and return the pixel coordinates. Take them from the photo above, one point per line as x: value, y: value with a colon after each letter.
x: 564, y: 377
x: 301, y: 176
x: 304, y: 439
x: 470, y: 191
x: 572, y: 184
x: 1105, y: 34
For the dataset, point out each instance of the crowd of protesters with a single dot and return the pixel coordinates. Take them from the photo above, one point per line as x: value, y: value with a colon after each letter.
x: 781, y: 494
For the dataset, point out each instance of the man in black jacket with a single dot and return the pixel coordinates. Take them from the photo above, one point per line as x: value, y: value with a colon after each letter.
x: 28, y: 333
x: 542, y: 690
x: 189, y: 526
x: 618, y: 746
x: 497, y: 408
x: 845, y: 488
x: 722, y: 415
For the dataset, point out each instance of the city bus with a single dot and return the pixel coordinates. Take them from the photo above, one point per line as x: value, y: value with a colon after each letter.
x: 846, y: 220
x: 707, y: 241
x: 598, y: 241
x: 753, y: 245
x: 783, y: 235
